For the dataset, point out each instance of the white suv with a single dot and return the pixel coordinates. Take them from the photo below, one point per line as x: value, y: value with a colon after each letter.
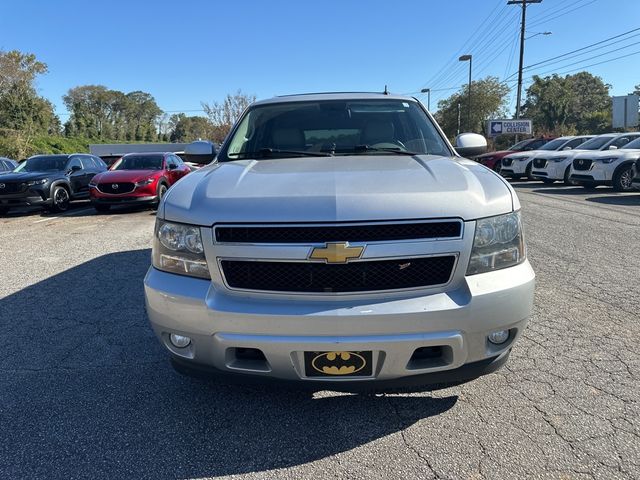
x: 610, y: 167
x: 517, y: 165
x: 558, y: 166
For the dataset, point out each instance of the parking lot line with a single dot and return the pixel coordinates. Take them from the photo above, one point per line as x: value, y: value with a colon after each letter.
x: 67, y: 214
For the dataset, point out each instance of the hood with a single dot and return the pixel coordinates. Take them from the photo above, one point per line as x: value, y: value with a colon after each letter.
x: 28, y: 176
x: 619, y: 153
x: 118, y: 176
x: 528, y: 154
x: 337, y: 189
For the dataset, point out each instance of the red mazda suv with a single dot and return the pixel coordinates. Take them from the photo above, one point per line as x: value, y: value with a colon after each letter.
x: 136, y: 179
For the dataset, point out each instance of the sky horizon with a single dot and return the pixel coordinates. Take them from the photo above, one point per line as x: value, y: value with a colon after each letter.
x: 204, y: 50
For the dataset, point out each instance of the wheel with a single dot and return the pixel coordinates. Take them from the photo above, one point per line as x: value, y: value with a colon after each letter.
x: 496, y: 167
x: 162, y: 190
x: 548, y: 181
x: 60, y: 199
x: 516, y: 176
x: 622, y: 179
x: 567, y: 180
x: 102, y: 208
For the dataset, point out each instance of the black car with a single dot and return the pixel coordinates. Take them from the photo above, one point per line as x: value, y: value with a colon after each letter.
x: 51, y: 181
x: 7, y: 165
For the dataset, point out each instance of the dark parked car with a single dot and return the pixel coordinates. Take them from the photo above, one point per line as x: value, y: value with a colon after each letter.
x: 7, y: 165
x: 51, y: 181
x: 493, y: 159
x: 137, y: 179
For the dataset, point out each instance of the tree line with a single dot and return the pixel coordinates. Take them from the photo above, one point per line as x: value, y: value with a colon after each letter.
x: 96, y: 113
x: 558, y: 105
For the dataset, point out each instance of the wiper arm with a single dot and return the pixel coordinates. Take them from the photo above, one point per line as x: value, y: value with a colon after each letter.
x: 267, y: 152
x: 368, y: 148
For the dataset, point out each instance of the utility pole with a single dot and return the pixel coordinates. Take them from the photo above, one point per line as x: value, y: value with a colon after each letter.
x: 523, y: 24
x: 468, y: 58
x: 458, y: 132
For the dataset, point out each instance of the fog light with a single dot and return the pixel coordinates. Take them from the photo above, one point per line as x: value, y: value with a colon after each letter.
x: 179, y: 341
x: 499, y: 337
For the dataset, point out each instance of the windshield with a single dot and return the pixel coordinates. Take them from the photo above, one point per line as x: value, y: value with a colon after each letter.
x: 634, y: 144
x: 554, y: 144
x: 622, y: 141
x: 54, y: 163
x: 520, y: 145
x: 334, y: 127
x: 139, y: 162
x: 595, y: 143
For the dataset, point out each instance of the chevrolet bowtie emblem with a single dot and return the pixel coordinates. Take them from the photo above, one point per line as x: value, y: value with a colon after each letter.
x: 336, y: 252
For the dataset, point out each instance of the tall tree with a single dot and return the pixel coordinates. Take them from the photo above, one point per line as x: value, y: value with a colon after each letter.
x: 578, y: 103
x: 188, y: 129
x: 488, y: 99
x: 223, y: 115
x: 23, y: 112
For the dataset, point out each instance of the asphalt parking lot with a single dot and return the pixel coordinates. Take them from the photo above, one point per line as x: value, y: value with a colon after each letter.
x: 88, y: 392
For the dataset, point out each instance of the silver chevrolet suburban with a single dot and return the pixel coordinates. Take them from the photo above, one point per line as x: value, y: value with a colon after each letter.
x: 339, y: 241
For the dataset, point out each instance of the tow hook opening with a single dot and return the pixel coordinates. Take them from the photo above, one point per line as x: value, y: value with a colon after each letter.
x: 244, y: 358
x: 430, y: 357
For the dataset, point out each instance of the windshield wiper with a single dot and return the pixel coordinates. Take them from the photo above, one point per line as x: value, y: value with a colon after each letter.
x: 267, y: 152
x: 368, y: 148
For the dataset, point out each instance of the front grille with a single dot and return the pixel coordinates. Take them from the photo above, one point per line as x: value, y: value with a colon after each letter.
x: 540, y: 162
x: 506, y: 162
x: 11, y: 187
x: 362, y: 276
x: 582, y: 164
x: 335, y: 233
x: 116, y: 188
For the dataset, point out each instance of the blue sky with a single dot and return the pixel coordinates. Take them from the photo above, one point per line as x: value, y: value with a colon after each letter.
x: 195, y: 50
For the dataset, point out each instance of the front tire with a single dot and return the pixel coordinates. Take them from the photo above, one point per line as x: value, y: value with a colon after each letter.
x: 162, y: 190
x: 622, y: 180
x: 567, y: 180
x: 60, y: 199
x: 548, y: 181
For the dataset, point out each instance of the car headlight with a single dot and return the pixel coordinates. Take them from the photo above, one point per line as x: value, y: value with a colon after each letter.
x: 31, y: 183
x: 498, y: 243
x: 558, y: 159
x: 177, y: 248
x: 606, y: 160
x: 142, y: 183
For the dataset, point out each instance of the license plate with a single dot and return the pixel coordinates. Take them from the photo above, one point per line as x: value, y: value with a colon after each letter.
x: 338, y: 364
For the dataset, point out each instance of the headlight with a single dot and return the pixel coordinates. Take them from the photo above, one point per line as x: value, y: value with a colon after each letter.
x: 498, y: 243
x: 178, y: 248
x: 144, y: 182
x: 558, y: 159
x: 606, y: 160
x: 36, y: 182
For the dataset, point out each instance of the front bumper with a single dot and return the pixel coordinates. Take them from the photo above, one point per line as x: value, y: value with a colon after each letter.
x: 26, y: 199
x: 517, y: 167
x: 553, y: 170
x: 458, y: 321
x: 124, y: 200
x: 599, y: 174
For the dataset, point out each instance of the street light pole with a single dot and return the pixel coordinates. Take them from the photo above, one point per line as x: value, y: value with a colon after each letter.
x: 428, y: 92
x: 469, y: 58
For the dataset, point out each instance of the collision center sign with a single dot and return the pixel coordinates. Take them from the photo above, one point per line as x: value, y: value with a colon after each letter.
x: 505, y: 127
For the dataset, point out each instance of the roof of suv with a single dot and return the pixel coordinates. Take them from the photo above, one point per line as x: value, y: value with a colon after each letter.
x: 314, y: 97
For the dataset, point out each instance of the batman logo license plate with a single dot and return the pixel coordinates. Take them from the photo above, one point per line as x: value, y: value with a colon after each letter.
x: 338, y: 364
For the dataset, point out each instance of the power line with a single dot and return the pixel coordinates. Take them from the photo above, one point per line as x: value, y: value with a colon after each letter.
x: 556, y: 14
x: 591, y: 58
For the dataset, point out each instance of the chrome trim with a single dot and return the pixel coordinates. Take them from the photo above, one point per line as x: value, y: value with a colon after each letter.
x: 456, y: 256
x: 338, y: 224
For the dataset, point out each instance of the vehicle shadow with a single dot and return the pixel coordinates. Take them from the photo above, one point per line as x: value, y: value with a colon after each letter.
x: 624, y: 200
x: 88, y: 391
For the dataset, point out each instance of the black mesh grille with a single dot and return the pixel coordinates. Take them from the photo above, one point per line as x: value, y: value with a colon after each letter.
x: 506, y: 162
x: 582, y: 164
x: 11, y: 187
x: 349, y: 277
x: 116, y: 188
x: 539, y: 162
x: 336, y: 233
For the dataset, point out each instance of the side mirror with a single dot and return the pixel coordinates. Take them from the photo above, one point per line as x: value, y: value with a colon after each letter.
x: 470, y: 144
x: 75, y: 168
x: 566, y: 148
x: 612, y: 147
x: 172, y: 166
